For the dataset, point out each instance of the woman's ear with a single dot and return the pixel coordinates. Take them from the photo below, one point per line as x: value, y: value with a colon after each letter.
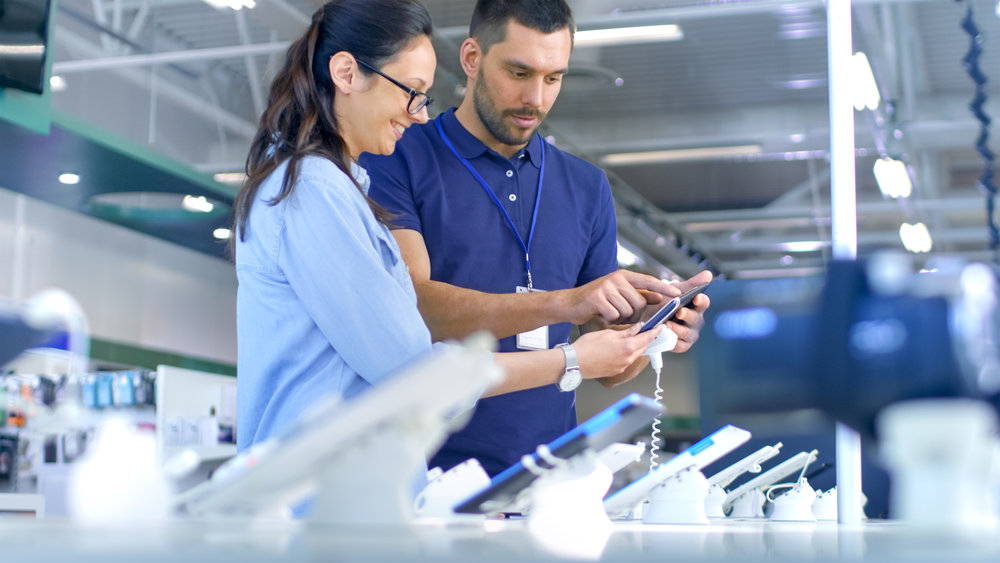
x: 470, y: 55
x: 343, y: 72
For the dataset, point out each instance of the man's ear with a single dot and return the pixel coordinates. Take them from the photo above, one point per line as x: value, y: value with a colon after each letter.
x: 343, y: 72
x: 471, y: 56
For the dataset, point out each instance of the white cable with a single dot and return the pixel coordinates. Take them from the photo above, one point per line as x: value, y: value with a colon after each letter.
x: 664, y: 342
x: 655, y: 439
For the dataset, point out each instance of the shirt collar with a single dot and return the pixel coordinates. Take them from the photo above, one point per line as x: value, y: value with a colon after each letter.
x: 469, y: 147
x: 361, y: 175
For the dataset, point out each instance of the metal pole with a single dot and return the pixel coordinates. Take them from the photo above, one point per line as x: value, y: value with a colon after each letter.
x: 844, y: 222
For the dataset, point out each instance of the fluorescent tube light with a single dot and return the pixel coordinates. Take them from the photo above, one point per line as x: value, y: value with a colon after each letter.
x: 22, y: 50
x: 234, y: 4
x: 674, y: 155
x: 230, y: 177
x: 626, y: 35
x: 892, y: 177
x: 803, y: 246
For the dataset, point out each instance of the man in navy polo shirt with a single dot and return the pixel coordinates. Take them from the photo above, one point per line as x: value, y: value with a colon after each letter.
x: 502, y: 231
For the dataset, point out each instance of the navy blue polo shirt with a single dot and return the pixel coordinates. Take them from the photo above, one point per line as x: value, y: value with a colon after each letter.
x: 471, y: 245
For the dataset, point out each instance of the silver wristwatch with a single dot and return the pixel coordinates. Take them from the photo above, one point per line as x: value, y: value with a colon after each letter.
x: 571, y: 377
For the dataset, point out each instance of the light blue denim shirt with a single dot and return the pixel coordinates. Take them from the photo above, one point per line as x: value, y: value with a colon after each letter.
x: 325, y: 303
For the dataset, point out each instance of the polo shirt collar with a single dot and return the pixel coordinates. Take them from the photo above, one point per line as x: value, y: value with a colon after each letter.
x: 469, y: 147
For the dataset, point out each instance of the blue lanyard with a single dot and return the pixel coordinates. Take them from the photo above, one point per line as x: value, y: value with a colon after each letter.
x: 493, y: 196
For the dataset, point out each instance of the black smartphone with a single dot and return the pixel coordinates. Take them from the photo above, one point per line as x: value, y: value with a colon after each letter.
x: 671, y: 307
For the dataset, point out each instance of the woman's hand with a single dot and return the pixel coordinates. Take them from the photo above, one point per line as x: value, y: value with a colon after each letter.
x: 609, y: 352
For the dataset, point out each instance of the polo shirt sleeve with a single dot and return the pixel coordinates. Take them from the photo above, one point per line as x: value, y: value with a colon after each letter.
x: 337, y: 270
x: 602, y: 255
x: 392, y: 186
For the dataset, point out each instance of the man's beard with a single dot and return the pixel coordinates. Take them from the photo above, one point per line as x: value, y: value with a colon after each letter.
x: 493, y: 119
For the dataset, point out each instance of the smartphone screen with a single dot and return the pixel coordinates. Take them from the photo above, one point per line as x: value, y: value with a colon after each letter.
x: 671, y: 307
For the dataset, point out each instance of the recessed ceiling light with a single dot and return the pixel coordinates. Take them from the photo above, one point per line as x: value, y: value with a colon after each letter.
x: 57, y: 83
x: 221, y: 233
x: 69, y: 178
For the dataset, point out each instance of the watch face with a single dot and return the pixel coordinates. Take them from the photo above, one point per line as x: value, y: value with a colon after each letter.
x: 570, y: 380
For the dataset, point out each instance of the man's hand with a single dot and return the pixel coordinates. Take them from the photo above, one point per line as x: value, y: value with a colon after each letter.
x: 687, y: 323
x: 617, y: 298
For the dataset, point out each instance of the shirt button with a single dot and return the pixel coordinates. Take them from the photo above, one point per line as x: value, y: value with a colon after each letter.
x: 510, y: 173
x: 512, y: 197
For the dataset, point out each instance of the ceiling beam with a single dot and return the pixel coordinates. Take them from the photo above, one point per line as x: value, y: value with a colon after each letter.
x: 181, y: 96
x: 228, y: 52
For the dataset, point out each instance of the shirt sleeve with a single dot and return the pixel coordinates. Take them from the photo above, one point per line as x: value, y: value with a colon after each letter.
x: 334, y: 261
x: 392, y: 187
x: 602, y: 255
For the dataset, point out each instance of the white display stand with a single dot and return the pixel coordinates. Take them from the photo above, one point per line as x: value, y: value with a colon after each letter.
x: 183, y: 398
x: 359, y: 461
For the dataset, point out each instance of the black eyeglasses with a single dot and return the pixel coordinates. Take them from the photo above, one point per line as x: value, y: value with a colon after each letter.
x: 418, y: 100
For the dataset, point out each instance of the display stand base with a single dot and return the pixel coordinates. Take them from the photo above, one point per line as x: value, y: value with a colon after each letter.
x: 678, y: 500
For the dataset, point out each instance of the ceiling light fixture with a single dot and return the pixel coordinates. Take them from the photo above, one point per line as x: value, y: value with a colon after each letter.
x: 57, y: 83
x: 803, y: 246
x: 198, y: 204
x: 221, y: 233
x: 234, y: 178
x: 627, y: 35
x: 675, y: 155
x: 866, y: 94
x: 916, y: 238
x: 626, y: 257
x: 69, y: 178
x: 892, y: 177
x: 233, y: 4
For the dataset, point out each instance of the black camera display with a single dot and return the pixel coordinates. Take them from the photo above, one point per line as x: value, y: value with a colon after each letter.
x: 865, y: 335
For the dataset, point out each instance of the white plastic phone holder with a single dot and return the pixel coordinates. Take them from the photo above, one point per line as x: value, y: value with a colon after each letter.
x: 445, y: 489
x: 794, y: 505
x: 749, y: 505
x: 568, y: 493
x: 678, y: 500
x: 941, y: 456
x: 716, y: 497
x: 825, y: 505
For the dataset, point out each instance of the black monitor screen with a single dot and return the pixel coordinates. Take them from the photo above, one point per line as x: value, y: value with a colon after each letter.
x: 23, y: 35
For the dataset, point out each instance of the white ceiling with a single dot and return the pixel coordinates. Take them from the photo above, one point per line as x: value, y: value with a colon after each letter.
x: 189, y: 81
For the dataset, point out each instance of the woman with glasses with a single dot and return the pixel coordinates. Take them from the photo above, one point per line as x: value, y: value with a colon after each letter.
x: 325, y: 303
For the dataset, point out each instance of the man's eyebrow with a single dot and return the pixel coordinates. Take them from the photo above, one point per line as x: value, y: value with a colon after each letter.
x: 523, y: 66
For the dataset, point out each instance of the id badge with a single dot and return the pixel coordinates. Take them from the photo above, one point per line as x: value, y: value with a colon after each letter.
x: 537, y: 339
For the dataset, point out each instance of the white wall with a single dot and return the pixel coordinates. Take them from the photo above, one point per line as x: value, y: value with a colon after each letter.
x: 134, y: 288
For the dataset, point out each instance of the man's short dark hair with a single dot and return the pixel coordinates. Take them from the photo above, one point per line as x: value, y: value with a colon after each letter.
x: 490, y: 17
